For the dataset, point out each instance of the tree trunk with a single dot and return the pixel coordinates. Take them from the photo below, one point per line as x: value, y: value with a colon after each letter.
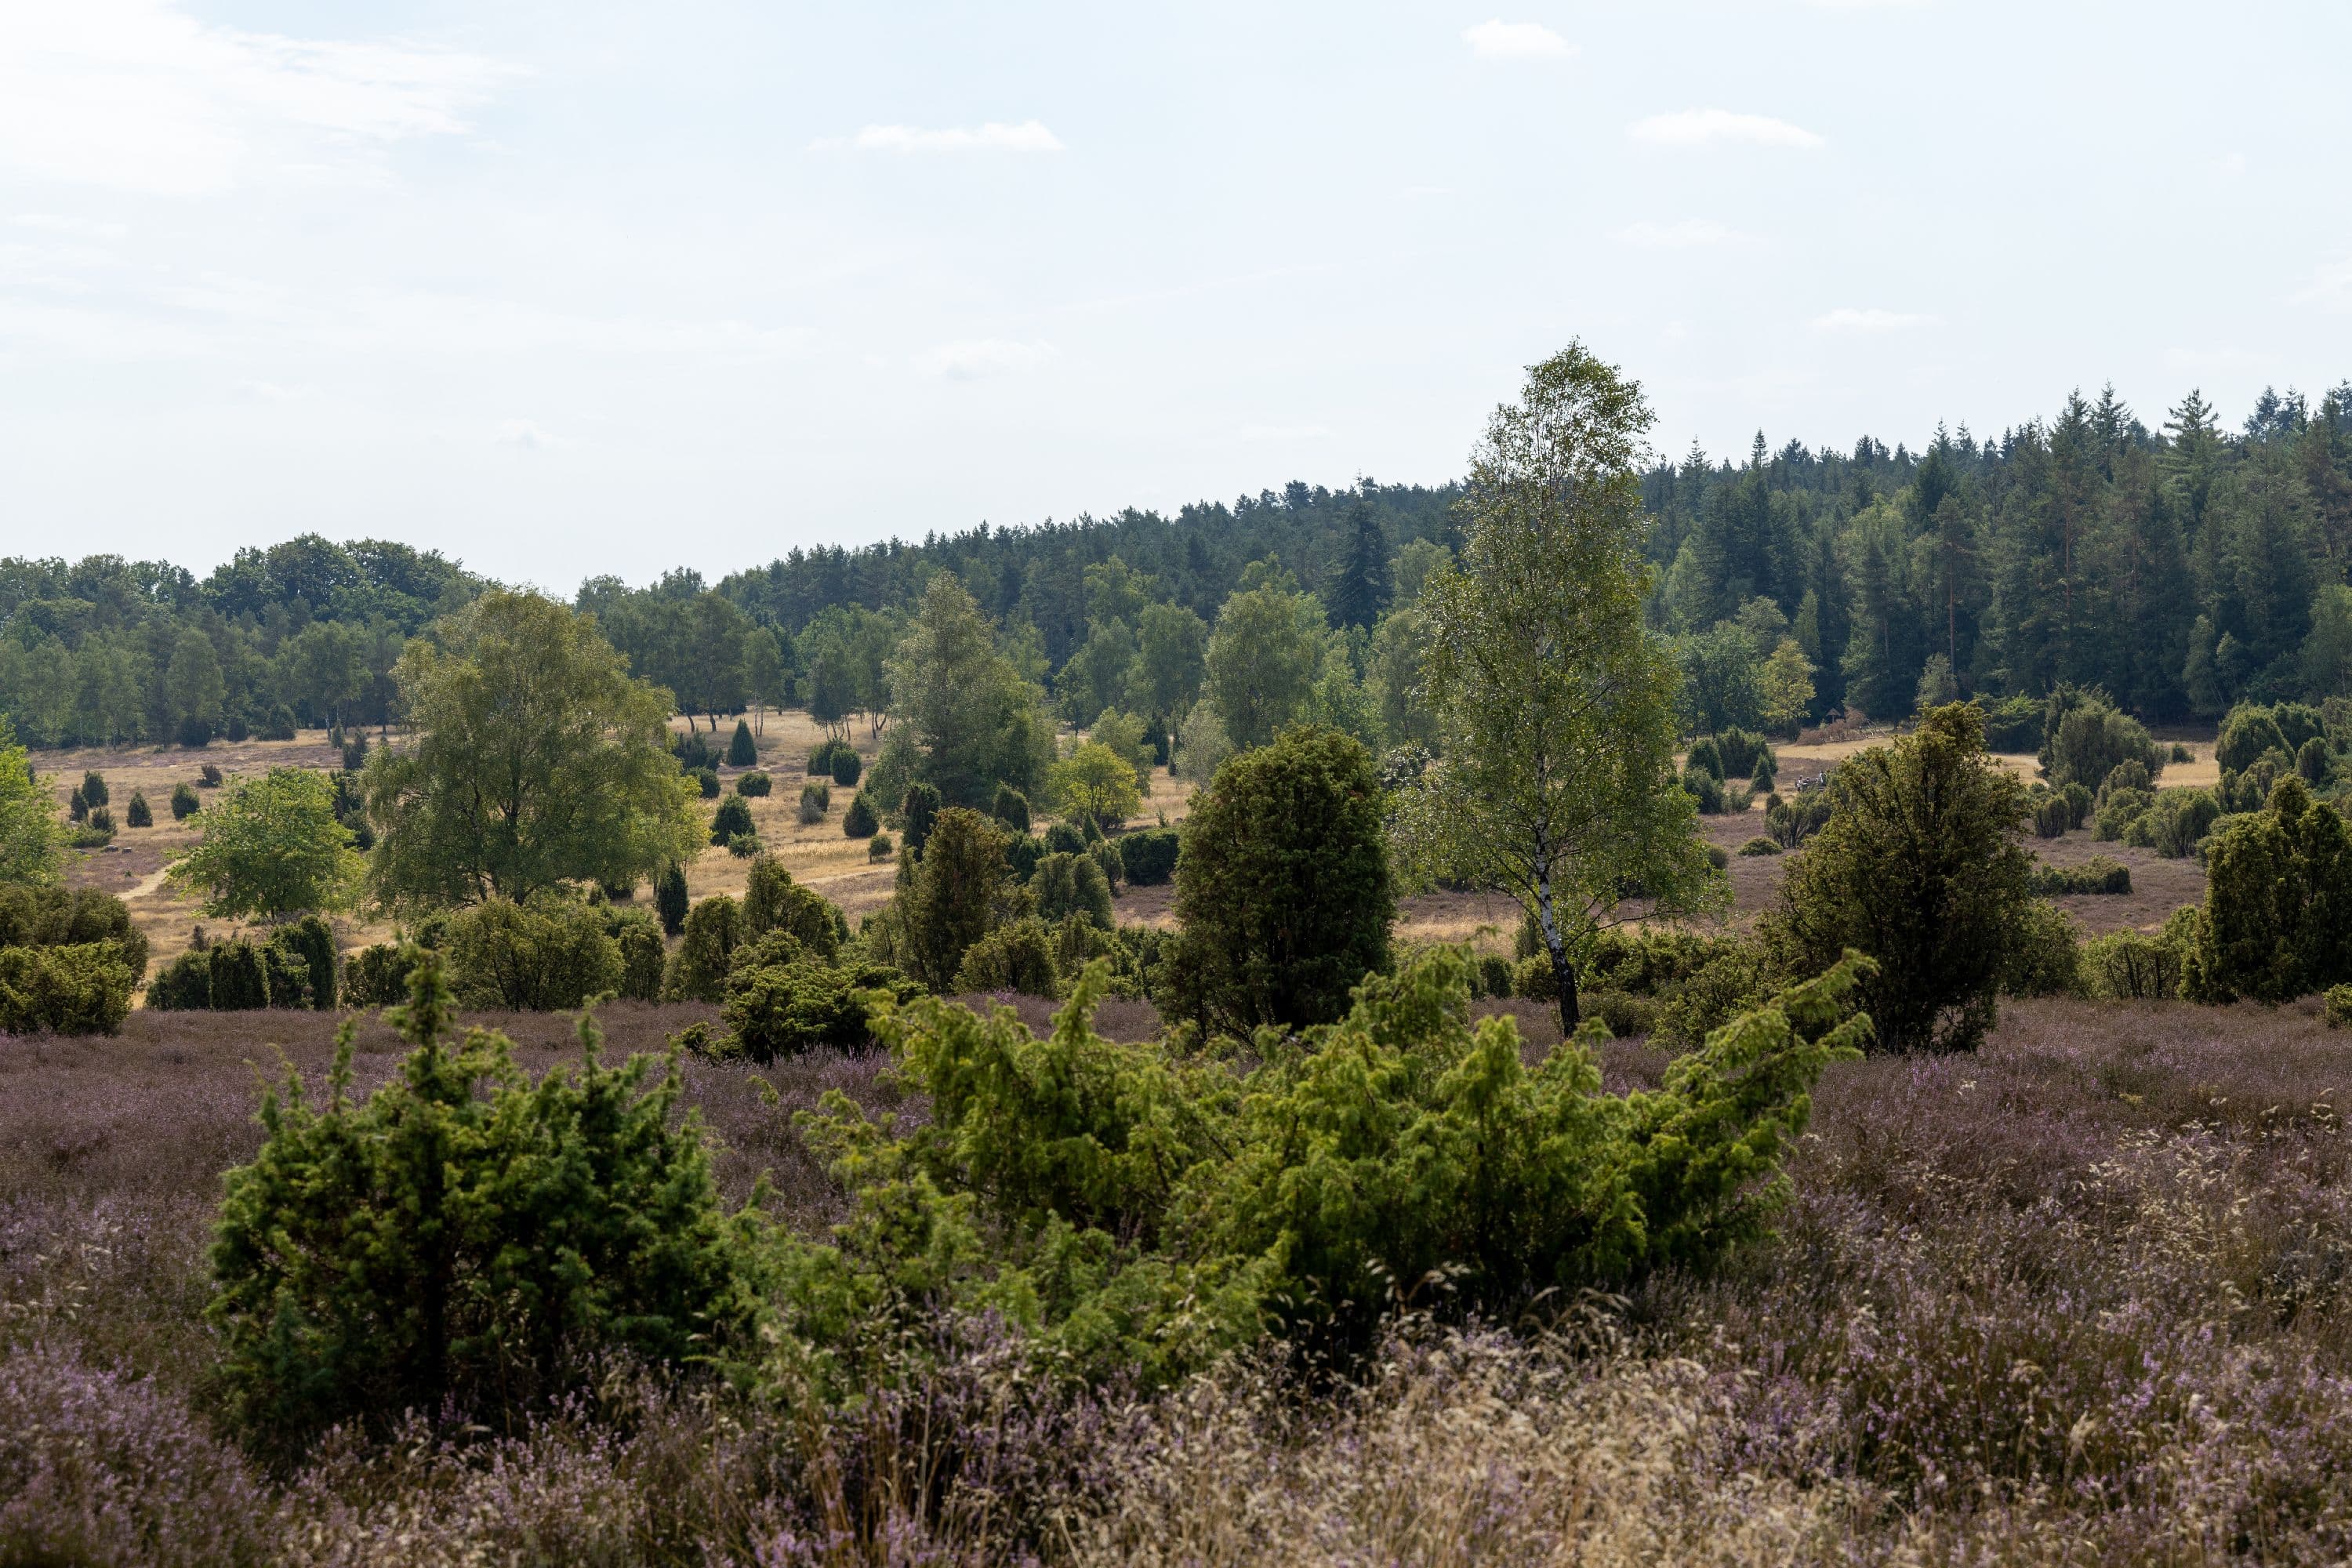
x: 1562, y: 972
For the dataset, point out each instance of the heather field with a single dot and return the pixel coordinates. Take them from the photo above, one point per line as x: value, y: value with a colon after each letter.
x: 2081, y: 1297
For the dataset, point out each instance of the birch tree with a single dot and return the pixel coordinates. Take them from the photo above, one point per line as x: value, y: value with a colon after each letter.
x: 1554, y: 706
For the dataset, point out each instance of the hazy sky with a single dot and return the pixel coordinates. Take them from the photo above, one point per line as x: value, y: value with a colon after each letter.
x: 563, y: 288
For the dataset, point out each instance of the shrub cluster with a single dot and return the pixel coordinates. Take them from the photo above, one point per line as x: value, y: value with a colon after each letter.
x: 293, y: 966
x: 859, y: 821
x: 693, y: 752
x: 1147, y: 858
x: 733, y: 816
x: 816, y: 799
x: 754, y: 784
x: 822, y: 760
x: 2277, y: 918
x: 2097, y: 875
x: 70, y: 959
x: 185, y: 803
x: 2130, y: 965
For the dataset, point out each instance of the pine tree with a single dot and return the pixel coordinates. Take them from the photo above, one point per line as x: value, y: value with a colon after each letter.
x: 1360, y: 585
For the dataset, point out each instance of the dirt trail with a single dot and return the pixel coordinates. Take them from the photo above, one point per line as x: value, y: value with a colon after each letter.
x: 149, y: 883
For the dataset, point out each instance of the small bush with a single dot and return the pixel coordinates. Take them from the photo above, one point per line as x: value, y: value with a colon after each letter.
x: 859, y: 821
x: 77, y: 807
x: 742, y: 750
x: 1011, y: 807
x: 375, y: 976
x: 816, y: 799
x: 2053, y: 817
x: 693, y: 752
x: 639, y: 941
x: 820, y: 761
x: 1717, y: 856
x: 1791, y: 822
x: 1021, y: 855
x: 1017, y: 956
x: 513, y: 1230
x: 879, y: 847
x: 2118, y: 811
x: 1533, y: 979
x: 1744, y: 753
x: 779, y: 1010
x: 2336, y: 1007
x: 2079, y: 802
x: 2097, y: 875
x: 697, y: 970
x: 744, y: 846
x: 546, y: 953
x: 1148, y: 858
x: 2046, y: 957
x: 754, y: 784
x: 138, y: 813
x: 1760, y: 846
x: 278, y: 724
x: 733, y: 816
x: 1705, y: 788
x: 772, y: 902
x: 671, y: 899
x: 240, y: 977
x: 101, y: 821
x: 1114, y: 869
x: 2131, y: 966
x: 310, y: 942
x: 1493, y: 974
x: 183, y: 986
x: 81, y: 988
x: 1624, y: 1016
x: 1068, y: 884
x: 1065, y: 838
x: 93, y: 788
x: 208, y: 775
x: 185, y: 803
x: 355, y: 752
x: 846, y: 767
x: 2314, y: 763
x: 1706, y: 757
x: 2182, y: 753
x: 707, y: 781
x: 917, y: 811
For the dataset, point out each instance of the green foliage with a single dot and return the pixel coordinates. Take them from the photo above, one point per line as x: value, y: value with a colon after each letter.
x: 78, y: 988
x: 1094, y: 783
x: 779, y: 1010
x: 2045, y: 954
x: 952, y: 898
x: 311, y: 942
x: 2086, y: 739
x: 1706, y: 791
x: 733, y: 816
x: 742, y: 750
x: 1284, y: 894
x: 139, y: 813
x: 1065, y: 838
x: 918, y: 810
x: 1017, y: 956
x: 1918, y: 870
x: 185, y: 803
x: 36, y: 914
x: 2052, y: 816
x: 1705, y: 757
x: 2314, y: 764
x: 375, y: 976
x: 1011, y: 807
x: 754, y: 784
x: 539, y: 956
x: 846, y: 767
x: 2278, y: 903
x: 1067, y: 885
x: 975, y: 720
x: 185, y: 984
x: 860, y: 821
x: 1263, y: 657
x: 774, y: 901
x: 77, y: 809
x: 93, y: 788
x: 2099, y: 874
x: 639, y: 940
x: 706, y: 783
x: 2336, y: 1007
x: 671, y: 899
x: 879, y: 847
x: 2249, y: 731
x: 2079, y: 802
x: 31, y: 838
x: 697, y: 970
x: 2129, y: 966
x: 820, y: 761
x: 1791, y: 822
x: 1148, y: 858
x: 539, y: 761
x: 1760, y: 846
x: 466, y: 1239
x: 240, y: 976
x: 2179, y: 819
x: 2131, y: 774
x: 816, y: 799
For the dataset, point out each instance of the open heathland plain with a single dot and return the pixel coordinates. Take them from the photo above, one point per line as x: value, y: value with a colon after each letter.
x: 2080, y: 1297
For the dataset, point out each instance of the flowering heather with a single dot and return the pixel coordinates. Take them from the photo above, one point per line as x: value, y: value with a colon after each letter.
x: 2083, y: 1297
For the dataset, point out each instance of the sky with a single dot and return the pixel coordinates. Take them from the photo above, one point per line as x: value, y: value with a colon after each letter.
x: 562, y: 289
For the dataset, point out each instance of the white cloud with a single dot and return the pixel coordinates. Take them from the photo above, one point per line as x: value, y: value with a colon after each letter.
x: 528, y: 435
x: 977, y: 357
x: 2331, y: 288
x: 1689, y: 234
x: 1029, y: 136
x: 81, y: 228
x: 1501, y: 40
x: 138, y: 95
x: 1699, y: 127
x: 1849, y: 320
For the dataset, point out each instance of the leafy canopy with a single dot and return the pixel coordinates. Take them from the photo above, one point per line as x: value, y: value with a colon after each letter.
x: 32, y: 839
x: 273, y: 846
x: 538, y: 761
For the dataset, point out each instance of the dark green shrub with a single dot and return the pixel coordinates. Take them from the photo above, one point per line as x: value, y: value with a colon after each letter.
x: 2246, y: 734
x: 2298, y: 724
x: 288, y: 977
x: 816, y: 799
x: 847, y: 768
x: 2278, y: 903
x: 859, y: 821
x: 917, y: 811
x: 754, y: 784
x: 2314, y: 764
x: 76, y: 988
x: 2097, y: 875
x: 2085, y: 739
x: 1017, y: 956
x: 1011, y: 807
x: 2045, y: 958
x: 2130, y: 965
x: 1071, y: 884
x: 512, y: 1230
x: 35, y: 916
x: 1705, y: 788
x: 2126, y: 775
x: 1624, y: 1016
x: 195, y: 733
x: 820, y: 761
x: 879, y: 847
x: 733, y: 816
x: 671, y: 899
x: 375, y: 976
x: 2179, y: 819
x: 693, y: 752
x: 774, y: 902
x: 355, y: 751
x: 707, y: 781
x: 93, y: 788
x: 185, y: 803
x: 1744, y: 753
x: 2052, y: 815
x: 1533, y: 978
x: 2336, y: 1006
x: 639, y: 941
x: 1065, y: 838
x: 952, y: 898
x: 2118, y: 812
x: 1149, y: 857
x: 183, y: 986
x: 1791, y: 822
x: 2013, y: 723
x: 697, y: 970
x: 1491, y: 974
x: 744, y: 846
x: 208, y: 775
x: 77, y: 807
x: 1021, y: 855
x: 311, y: 942
x: 1918, y: 870
x: 777, y: 1010
x: 1760, y: 846
x: 1731, y: 978
x: 2079, y: 802
x: 2182, y: 753
x: 742, y: 750
x: 101, y: 821
x: 240, y: 977
x: 1717, y: 856
x: 1706, y: 756
x: 545, y: 953
x: 138, y: 813
x: 278, y: 724
x: 1105, y: 857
